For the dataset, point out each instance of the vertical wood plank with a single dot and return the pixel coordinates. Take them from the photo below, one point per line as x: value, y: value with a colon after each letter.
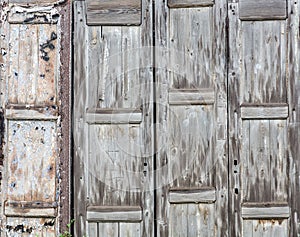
x: 187, y: 37
x: 14, y: 67
x: 245, y: 167
x: 119, y: 75
x: 108, y: 229
x: 178, y: 220
x: 93, y: 230
x: 193, y: 220
x: 234, y: 129
x: 279, y: 160
x: 80, y: 105
x: 47, y: 78
x: 263, y: 66
x: 259, y: 186
x: 247, y: 228
x: 293, y: 22
x: 268, y: 228
x: 207, y: 220
x: 130, y: 229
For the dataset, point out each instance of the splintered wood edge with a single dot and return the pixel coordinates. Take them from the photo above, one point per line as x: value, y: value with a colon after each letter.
x: 115, y: 213
x: 206, y: 195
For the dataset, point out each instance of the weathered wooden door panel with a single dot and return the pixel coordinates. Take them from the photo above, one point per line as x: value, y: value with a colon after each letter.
x: 191, y: 111
x: 155, y: 118
x: 31, y: 111
x: 113, y: 112
x: 262, y: 108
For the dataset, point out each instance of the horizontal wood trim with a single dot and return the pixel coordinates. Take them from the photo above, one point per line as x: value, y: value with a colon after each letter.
x: 265, y: 210
x: 189, y: 3
x: 275, y: 111
x: 192, y: 97
x: 263, y: 10
x: 114, y: 213
x: 30, y: 209
x: 114, y: 116
x: 33, y: 113
x: 192, y: 195
x: 114, y: 12
x: 35, y: 15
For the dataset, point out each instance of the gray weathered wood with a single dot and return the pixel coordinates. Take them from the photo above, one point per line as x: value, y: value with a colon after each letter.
x: 259, y: 111
x: 114, y: 116
x: 188, y: 38
x: 114, y: 213
x: 263, y: 10
x: 31, y: 114
x: 189, y: 3
x: 280, y: 111
x: 80, y: 106
x: 109, y: 229
x: 114, y: 12
x: 30, y: 212
x: 258, y: 212
x: 130, y: 229
x: 192, y: 97
x: 93, y: 230
x: 204, y: 195
x: 113, y: 72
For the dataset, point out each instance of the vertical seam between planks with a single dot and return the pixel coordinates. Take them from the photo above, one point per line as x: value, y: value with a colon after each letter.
x: 155, y: 156
x: 227, y: 122
x: 72, y: 153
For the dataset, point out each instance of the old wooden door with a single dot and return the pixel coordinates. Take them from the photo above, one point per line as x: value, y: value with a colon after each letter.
x: 34, y: 115
x: 264, y: 130
x: 153, y: 84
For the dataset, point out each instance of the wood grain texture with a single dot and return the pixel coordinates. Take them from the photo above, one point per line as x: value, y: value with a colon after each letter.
x: 31, y: 114
x: 192, y: 97
x: 117, y: 165
x: 30, y: 212
x: 268, y: 228
x: 258, y: 147
x: 114, y: 116
x: 294, y: 119
x: 114, y: 213
x: 109, y: 229
x: 189, y: 3
x: 188, y: 39
x: 33, y: 161
x: 265, y: 112
x: 204, y: 195
x: 114, y: 12
x: 33, y: 71
x: 191, y: 220
x: 263, y: 10
x: 32, y: 2
x: 80, y: 105
x: 257, y: 212
x: 263, y: 55
x: 130, y: 229
x: 93, y: 229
